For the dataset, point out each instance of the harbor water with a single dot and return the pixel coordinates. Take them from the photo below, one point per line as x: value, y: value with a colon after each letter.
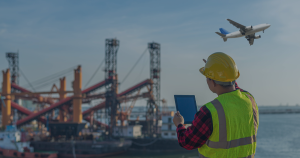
x: 278, y: 136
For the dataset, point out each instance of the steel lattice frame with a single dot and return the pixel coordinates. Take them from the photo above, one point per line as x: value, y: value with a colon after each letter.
x: 112, y: 105
x: 13, y: 61
x: 153, y: 106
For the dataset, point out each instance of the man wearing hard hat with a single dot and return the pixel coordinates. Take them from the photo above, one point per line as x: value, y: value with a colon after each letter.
x: 226, y: 126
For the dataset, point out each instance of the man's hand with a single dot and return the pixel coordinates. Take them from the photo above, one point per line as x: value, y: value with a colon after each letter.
x: 178, y: 119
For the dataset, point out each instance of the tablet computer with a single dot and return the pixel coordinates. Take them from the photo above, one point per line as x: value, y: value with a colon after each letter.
x: 186, y: 105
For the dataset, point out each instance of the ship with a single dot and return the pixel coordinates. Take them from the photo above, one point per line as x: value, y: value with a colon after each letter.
x: 11, y: 146
x: 84, y: 149
x: 67, y: 141
x: 165, y: 142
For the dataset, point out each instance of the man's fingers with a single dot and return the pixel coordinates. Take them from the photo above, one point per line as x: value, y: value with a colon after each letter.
x: 179, y: 115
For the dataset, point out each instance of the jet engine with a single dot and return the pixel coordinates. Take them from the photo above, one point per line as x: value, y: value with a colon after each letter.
x: 249, y: 27
x: 257, y: 37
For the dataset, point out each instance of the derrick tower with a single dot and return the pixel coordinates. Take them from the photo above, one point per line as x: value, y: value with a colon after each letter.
x: 111, y: 80
x: 153, y: 105
x: 13, y: 61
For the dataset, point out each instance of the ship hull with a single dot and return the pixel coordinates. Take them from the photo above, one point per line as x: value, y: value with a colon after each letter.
x: 84, y: 149
x: 156, y: 145
x: 89, y: 156
x: 8, y: 153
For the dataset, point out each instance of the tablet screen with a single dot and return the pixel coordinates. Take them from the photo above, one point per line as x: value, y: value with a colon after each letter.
x: 186, y: 105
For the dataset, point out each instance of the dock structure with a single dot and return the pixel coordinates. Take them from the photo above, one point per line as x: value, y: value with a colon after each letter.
x: 67, y: 107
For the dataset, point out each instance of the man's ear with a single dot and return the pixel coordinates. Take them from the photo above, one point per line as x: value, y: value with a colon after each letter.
x: 214, y: 83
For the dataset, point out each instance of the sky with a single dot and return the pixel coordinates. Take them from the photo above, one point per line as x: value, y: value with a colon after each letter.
x: 52, y: 36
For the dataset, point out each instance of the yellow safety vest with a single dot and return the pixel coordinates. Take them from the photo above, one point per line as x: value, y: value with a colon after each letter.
x: 235, y: 122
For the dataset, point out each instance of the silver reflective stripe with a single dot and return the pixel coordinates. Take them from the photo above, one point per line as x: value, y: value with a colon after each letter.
x: 222, y: 120
x: 250, y: 156
x: 254, y: 112
x: 201, y: 156
x: 223, y: 143
x: 232, y: 143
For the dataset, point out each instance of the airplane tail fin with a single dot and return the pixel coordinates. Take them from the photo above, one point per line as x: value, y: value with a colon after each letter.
x: 223, y: 31
x: 222, y: 36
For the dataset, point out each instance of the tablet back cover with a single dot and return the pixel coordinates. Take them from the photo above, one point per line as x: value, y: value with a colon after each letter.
x: 186, y: 105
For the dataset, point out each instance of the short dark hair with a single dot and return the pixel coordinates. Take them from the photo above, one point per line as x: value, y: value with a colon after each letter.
x: 224, y: 84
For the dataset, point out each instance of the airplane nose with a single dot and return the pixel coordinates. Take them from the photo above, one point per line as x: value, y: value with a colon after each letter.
x: 268, y: 25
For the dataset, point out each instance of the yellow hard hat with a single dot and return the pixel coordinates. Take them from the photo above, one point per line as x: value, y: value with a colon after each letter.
x: 220, y: 67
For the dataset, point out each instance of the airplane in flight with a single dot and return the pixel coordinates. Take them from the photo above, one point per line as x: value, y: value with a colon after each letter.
x: 247, y: 31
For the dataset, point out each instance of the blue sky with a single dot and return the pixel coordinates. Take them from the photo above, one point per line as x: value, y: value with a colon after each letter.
x: 54, y: 35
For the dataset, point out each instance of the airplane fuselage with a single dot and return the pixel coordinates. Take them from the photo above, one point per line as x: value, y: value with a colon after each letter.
x: 256, y: 28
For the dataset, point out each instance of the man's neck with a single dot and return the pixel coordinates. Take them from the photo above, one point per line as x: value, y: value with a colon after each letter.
x: 225, y: 90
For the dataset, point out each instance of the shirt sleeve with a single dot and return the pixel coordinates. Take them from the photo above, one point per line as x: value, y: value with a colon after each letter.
x: 237, y: 87
x: 242, y: 90
x: 198, y: 133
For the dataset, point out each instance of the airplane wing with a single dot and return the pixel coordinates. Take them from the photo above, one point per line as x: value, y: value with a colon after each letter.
x: 240, y: 26
x: 251, y: 41
x: 251, y: 38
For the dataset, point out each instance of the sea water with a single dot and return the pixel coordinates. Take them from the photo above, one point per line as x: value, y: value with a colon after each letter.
x: 278, y: 137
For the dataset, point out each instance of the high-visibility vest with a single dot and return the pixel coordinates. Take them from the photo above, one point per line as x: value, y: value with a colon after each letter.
x: 235, y: 122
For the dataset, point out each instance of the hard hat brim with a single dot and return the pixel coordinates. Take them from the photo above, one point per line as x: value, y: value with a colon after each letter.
x: 202, y: 71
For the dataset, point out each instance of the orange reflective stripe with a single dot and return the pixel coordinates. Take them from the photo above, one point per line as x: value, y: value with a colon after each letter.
x: 250, y: 156
x: 254, y: 112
